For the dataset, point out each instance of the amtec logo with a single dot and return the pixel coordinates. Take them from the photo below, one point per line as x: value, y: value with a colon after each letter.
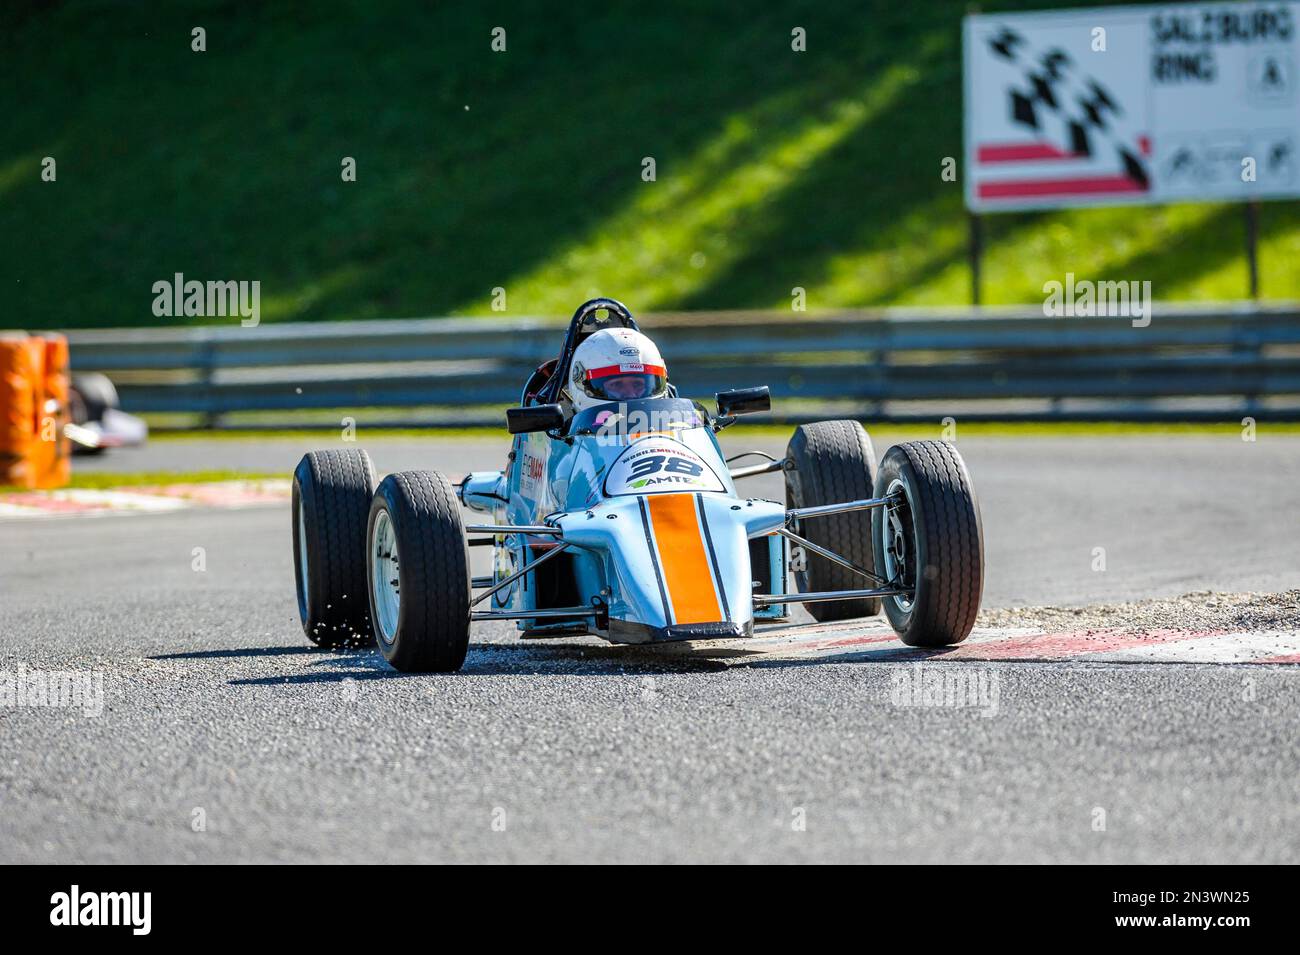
x: 103, y: 908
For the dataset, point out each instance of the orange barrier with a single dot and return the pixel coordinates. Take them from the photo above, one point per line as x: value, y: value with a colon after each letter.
x: 34, y: 451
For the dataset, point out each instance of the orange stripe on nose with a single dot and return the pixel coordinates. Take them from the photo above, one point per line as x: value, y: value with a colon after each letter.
x: 684, y: 559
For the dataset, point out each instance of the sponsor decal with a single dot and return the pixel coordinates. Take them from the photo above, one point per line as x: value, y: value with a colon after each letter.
x: 532, y: 468
x: 655, y: 466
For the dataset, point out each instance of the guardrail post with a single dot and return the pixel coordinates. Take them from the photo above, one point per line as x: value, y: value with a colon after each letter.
x: 211, y: 417
x: 880, y: 358
x: 1252, y: 245
x: 1246, y: 344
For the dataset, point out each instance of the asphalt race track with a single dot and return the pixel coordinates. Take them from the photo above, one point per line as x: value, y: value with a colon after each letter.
x: 225, y: 736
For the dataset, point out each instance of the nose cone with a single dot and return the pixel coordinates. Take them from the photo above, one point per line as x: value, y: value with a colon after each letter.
x: 677, y: 563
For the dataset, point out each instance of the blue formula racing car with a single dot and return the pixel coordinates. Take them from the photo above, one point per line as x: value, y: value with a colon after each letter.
x: 617, y: 514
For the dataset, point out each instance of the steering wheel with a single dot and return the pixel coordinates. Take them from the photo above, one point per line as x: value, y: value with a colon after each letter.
x: 611, y: 305
x: 618, y: 316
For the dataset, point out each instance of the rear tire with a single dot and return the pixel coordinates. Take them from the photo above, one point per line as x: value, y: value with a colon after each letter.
x: 331, y: 501
x: 934, y: 540
x: 416, y: 537
x: 834, y: 462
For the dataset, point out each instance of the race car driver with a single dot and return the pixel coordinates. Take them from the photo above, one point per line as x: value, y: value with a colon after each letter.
x: 615, y: 364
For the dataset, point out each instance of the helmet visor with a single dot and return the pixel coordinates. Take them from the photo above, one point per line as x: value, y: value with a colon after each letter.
x: 625, y: 382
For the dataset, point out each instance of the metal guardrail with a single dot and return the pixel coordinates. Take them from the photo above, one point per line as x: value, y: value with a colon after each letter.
x: 871, y: 359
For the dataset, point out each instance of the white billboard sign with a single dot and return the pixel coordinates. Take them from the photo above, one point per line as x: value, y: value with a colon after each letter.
x: 1142, y: 104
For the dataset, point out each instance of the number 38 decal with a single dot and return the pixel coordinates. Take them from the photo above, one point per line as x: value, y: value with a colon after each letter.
x: 650, y: 467
x: 670, y: 463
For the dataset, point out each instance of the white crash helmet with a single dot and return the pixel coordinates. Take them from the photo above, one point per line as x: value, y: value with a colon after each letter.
x: 616, y: 364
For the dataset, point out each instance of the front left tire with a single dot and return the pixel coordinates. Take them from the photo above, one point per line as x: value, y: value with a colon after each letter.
x: 418, y: 578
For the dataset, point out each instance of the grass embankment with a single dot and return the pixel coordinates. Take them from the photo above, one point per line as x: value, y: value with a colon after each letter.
x: 523, y: 170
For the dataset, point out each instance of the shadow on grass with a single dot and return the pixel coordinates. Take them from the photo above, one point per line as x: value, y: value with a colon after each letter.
x: 478, y: 170
x: 1203, y: 251
x: 472, y: 167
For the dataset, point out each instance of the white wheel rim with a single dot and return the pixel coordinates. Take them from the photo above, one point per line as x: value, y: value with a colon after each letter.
x: 304, y: 575
x: 384, y: 591
x: 892, y: 534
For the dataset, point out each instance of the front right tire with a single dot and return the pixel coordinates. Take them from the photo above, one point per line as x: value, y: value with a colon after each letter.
x: 832, y: 462
x: 417, y: 566
x: 331, y: 500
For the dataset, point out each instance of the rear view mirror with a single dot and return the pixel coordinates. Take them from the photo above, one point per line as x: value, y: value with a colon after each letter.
x: 534, y: 418
x: 744, y: 401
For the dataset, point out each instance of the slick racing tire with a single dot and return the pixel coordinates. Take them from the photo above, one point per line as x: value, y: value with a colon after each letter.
x: 833, y: 462
x: 417, y: 563
x: 331, y: 501
x: 931, y: 540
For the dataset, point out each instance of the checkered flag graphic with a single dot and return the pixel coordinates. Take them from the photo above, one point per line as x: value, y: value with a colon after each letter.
x: 1059, y: 105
